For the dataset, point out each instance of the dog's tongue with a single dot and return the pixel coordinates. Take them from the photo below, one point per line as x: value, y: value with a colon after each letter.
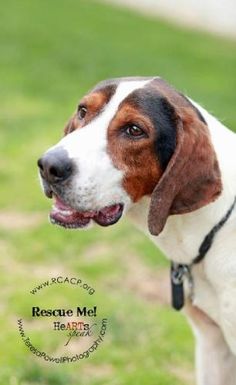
x: 110, y: 210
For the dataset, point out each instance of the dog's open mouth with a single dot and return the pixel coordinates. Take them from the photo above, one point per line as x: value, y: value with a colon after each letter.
x: 64, y: 215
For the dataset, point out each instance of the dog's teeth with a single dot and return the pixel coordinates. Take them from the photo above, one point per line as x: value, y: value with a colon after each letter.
x: 64, y: 212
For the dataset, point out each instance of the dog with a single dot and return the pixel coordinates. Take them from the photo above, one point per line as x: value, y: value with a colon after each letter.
x: 136, y: 146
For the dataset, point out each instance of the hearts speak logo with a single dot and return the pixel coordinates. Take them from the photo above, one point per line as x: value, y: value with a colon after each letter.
x: 59, y: 333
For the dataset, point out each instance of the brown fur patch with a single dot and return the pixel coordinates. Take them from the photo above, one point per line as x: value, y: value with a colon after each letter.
x: 94, y: 103
x: 174, y: 97
x: 136, y: 157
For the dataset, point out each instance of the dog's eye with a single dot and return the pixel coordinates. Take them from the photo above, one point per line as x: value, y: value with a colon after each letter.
x: 82, y: 111
x: 134, y: 131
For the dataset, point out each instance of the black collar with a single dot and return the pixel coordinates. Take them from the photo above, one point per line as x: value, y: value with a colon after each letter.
x: 179, y: 271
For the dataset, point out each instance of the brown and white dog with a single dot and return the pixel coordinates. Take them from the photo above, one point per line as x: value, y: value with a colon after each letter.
x: 137, y: 146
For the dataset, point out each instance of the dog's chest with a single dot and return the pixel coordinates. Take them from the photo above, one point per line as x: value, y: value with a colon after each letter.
x: 215, y: 277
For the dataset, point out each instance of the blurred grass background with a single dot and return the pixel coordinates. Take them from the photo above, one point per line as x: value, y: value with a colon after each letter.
x: 51, y: 54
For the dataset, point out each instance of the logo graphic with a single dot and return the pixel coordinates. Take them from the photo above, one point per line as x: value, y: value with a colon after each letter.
x: 63, y: 322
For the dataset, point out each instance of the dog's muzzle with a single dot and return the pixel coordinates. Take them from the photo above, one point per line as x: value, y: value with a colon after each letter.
x: 57, y: 171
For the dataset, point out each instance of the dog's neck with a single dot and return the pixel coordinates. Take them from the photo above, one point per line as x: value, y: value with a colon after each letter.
x: 183, y: 234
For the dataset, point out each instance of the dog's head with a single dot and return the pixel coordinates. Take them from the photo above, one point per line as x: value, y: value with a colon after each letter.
x: 130, y: 138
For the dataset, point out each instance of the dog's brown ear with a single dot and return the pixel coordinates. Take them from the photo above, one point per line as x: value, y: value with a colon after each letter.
x: 192, y: 177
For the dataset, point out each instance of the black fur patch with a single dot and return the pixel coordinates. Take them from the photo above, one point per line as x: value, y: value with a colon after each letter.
x: 162, y: 115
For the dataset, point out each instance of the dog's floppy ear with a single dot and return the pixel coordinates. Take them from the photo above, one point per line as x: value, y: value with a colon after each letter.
x: 192, y: 176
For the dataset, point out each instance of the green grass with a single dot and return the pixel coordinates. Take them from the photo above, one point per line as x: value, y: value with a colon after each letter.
x: 51, y: 53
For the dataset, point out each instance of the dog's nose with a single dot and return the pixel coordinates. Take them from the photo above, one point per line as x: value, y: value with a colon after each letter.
x: 55, y: 166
